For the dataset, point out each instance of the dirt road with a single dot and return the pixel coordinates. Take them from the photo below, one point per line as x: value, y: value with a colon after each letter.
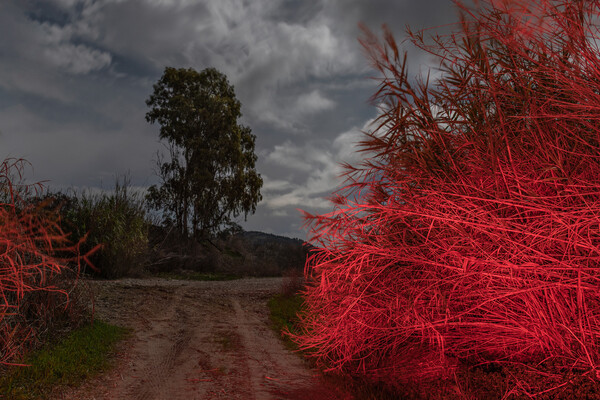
x: 199, y: 340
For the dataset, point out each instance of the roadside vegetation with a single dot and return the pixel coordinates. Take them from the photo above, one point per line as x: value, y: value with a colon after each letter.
x: 50, y: 241
x: 68, y: 361
x: 461, y: 258
x: 39, y: 268
x: 46, y: 338
x: 114, y: 222
x: 285, y: 307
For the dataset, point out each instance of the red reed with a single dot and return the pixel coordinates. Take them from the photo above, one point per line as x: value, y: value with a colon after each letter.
x: 29, y: 243
x: 471, y: 233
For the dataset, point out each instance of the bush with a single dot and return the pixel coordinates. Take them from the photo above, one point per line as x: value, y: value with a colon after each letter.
x: 63, y: 363
x: 116, y: 222
x: 471, y: 234
x: 35, y: 286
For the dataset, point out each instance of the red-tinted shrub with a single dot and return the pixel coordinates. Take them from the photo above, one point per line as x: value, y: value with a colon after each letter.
x: 472, y: 233
x: 30, y: 242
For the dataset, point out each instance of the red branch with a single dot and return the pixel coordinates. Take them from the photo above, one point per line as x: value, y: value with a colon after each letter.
x: 29, y: 244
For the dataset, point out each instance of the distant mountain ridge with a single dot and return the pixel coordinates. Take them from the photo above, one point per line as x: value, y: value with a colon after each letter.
x: 257, y: 237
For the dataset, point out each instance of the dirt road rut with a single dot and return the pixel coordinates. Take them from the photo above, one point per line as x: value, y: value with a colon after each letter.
x: 199, y: 340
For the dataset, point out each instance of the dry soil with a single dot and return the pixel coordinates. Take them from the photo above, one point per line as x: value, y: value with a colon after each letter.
x: 198, y: 340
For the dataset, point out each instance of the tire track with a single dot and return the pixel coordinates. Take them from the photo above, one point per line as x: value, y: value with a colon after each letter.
x: 166, y: 339
x: 199, y: 341
x: 275, y: 372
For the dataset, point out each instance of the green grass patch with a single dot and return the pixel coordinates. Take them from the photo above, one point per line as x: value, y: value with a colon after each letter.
x: 198, y: 276
x: 284, y: 310
x: 83, y: 353
x: 284, y: 316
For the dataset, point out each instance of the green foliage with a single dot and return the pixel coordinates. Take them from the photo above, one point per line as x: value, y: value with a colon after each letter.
x: 82, y: 354
x: 116, y: 221
x: 211, y: 176
x: 284, y: 310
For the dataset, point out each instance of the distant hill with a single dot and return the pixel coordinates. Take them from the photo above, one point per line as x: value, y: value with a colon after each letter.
x: 256, y: 237
x: 250, y: 253
x: 265, y: 251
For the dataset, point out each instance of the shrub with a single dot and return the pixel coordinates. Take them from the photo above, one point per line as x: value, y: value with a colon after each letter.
x: 80, y: 355
x: 116, y: 222
x: 471, y: 233
x: 35, y: 285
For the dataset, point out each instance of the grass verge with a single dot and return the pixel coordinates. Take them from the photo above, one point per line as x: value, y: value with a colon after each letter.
x: 84, y: 353
x: 283, y: 311
x: 283, y: 314
x: 482, y: 382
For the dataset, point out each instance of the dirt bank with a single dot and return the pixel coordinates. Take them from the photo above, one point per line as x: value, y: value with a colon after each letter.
x: 198, y: 340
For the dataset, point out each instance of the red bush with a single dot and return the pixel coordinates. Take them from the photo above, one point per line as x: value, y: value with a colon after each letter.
x: 30, y: 242
x: 472, y: 232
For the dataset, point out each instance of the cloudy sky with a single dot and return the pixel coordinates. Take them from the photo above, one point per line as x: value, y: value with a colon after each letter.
x: 75, y: 74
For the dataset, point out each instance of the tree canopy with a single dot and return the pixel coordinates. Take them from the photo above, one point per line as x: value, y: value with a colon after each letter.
x: 210, y: 177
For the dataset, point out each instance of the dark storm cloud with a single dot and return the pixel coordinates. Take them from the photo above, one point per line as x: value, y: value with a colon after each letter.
x: 74, y: 75
x: 397, y: 14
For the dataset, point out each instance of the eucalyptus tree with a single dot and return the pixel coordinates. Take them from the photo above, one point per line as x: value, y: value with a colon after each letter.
x: 209, y: 176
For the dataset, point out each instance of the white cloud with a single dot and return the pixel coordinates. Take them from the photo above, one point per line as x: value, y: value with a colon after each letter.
x: 280, y: 213
x: 77, y: 59
x: 281, y: 55
x: 300, y: 199
x: 288, y: 112
x: 346, y: 146
x: 61, y: 53
x: 291, y: 156
x: 309, y: 183
x: 313, y: 102
x: 315, y: 167
x: 275, y: 185
x: 264, y: 57
x: 42, y: 56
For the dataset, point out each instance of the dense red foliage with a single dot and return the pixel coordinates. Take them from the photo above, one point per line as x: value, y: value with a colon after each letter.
x: 472, y: 232
x: 29, y: 242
